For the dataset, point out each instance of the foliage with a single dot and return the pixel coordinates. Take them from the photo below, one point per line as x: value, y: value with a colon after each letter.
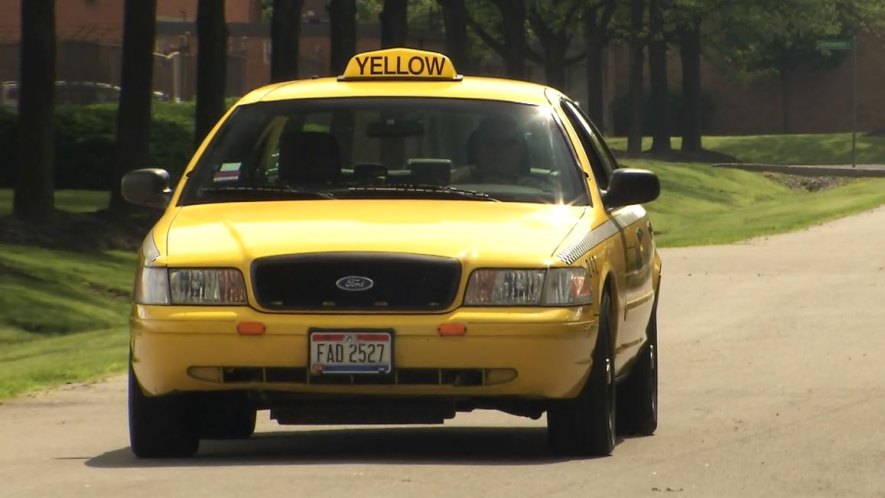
x: 484, y: 19
x: 85, y: 143
x: 551, y: 19
x: 85, y: 146
x: 422, y: 13
x: 553, y: 26
x: 757, y: 38
x: 425, y: 19
x: 172, y: 135
x: 868, y: 15
x: 368, y: 10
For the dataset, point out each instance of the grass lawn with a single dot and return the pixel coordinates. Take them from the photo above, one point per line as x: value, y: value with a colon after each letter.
x: 63, y: 314
x: 700, y: 205
x: 831, y: 148
x: 75, y: 201
x: 32, y: 365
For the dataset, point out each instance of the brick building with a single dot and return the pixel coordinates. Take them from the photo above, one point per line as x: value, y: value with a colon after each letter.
x: 89, y: 34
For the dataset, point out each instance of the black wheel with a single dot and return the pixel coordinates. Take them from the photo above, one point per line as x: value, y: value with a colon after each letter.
x: 161, y: 426
x: 638, y: 395
x: 226, y: 416
x: 585, y: 425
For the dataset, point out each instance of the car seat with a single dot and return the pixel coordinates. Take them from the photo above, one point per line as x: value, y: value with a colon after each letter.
x: 309, y: 158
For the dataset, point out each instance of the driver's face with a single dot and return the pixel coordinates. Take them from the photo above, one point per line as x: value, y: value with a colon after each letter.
x: 499, y: 154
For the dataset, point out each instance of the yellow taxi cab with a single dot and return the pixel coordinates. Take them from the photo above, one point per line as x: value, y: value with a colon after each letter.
x: 393, y: 246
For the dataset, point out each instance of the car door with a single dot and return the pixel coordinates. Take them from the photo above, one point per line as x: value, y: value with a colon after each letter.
x: 636, y: 286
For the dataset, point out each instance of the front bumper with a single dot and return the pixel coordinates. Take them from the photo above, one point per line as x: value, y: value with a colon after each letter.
x: 550, y: 350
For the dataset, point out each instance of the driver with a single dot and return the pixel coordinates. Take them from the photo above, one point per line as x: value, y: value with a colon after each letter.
x: 498, y: 151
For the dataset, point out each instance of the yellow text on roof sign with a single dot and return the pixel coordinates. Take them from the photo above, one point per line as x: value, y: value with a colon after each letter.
x: 400, y: 63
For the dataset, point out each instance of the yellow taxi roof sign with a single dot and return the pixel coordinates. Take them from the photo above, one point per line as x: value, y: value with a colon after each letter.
x: 400, y: 64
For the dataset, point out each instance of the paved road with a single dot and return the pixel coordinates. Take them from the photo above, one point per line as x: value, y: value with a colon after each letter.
x: 772, y: 384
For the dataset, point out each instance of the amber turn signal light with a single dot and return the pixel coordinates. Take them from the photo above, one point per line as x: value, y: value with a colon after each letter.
x: 250, y: 328
x: 451, y: 329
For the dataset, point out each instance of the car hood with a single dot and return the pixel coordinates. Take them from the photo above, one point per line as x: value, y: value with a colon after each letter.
x: 487, y: 233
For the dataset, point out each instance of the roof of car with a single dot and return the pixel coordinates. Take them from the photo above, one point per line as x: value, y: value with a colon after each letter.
x: 468, y: 88
x: 401, y: 84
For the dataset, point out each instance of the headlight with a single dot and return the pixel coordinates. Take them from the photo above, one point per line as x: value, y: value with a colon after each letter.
x: 160, y: 286
x: 505, y: 287
x: 567, y: 287
x: 553, y: 287
x: 207, y: 286
x: 151, y: 286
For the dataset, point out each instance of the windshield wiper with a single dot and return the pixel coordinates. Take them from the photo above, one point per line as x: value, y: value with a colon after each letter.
x: 267, y: 191
x: 421, y: 191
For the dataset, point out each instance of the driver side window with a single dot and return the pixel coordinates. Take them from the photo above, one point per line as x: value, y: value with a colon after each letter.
x: 602, y: 162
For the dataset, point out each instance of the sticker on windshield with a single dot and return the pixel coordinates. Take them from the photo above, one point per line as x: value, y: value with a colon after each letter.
x: 229, y: 172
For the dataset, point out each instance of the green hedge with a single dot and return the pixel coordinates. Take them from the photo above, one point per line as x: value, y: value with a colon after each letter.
x: 84, y: 143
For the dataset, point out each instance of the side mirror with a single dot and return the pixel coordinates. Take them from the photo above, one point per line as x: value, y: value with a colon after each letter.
x: 631, y: 186
x: 147, y: 187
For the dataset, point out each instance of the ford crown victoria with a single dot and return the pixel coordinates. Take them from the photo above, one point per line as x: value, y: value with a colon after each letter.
x: 391, y: 246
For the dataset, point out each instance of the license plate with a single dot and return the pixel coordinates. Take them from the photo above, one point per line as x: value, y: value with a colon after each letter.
x: 333, y: 352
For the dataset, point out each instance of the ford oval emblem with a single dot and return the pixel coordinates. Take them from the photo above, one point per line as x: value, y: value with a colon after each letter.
x: 354, y: 283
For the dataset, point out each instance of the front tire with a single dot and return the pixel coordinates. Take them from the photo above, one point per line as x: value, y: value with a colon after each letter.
x: 638, y: 395
x: 161, y: 426
x: 585, y: 425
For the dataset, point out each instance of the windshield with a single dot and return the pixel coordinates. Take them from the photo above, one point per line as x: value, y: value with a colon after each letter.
x: 390, y: 149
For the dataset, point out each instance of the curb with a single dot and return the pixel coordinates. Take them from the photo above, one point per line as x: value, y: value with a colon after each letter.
x: 859, y: 171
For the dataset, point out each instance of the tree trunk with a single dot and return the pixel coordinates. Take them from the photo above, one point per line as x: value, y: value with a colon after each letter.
x: 554, y: 67
x: 211, y: 66
x: 394, y: 29
x: 136, y: 80
x: 34, y: 197
x: 515, y: 47
x: 637, y: 60
x: 394, y: 23
x: 455, y: 19
x: 596, y: 81
x: 342, y: 29
x: 785, y: 99
x: 657, y: 71
x: 690, y: 55
x: 596, y: 36
x: 285, y: 31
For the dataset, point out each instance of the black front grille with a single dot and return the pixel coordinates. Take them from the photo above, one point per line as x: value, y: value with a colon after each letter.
x: 320, y: 282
